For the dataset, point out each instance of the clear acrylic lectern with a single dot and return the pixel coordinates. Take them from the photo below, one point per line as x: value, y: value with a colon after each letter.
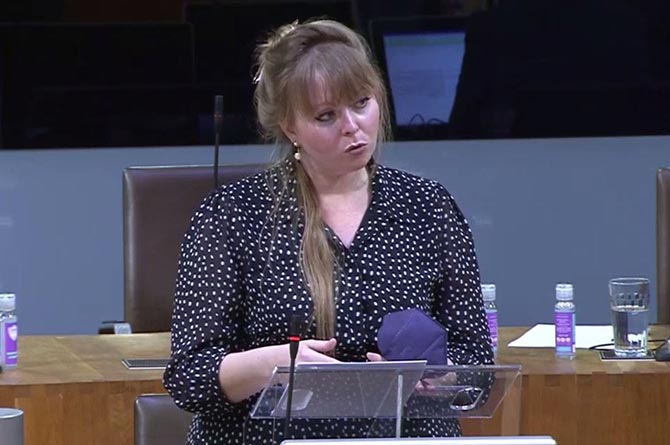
x: 387, y: 390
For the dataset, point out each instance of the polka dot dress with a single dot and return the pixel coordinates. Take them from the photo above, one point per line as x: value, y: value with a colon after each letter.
x: 239, y: 277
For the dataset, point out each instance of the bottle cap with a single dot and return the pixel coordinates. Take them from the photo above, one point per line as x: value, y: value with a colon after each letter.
x: 489, y: 292
x: 7, y: 301
x: 564, y: 291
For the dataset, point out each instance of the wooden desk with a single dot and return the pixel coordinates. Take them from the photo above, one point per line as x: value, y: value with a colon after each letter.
x: 588, y: 402
x: 74, y: 390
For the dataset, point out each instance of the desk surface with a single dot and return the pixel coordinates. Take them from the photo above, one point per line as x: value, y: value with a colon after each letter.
x: 45, y: 360
x: 541, y: 361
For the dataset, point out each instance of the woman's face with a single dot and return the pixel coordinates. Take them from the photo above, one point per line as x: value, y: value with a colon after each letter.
x: 335, y: 138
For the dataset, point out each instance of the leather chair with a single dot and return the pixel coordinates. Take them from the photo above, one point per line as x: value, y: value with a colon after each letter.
x: 158, y: 421
x: 158, y: 203
x: 663, y: 244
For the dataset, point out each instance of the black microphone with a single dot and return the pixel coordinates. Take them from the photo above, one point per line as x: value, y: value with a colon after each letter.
x: 294, y: 331
x: 218, y: 124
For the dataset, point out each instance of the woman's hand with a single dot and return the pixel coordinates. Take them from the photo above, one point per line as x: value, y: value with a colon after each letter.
x: 374, y: 357
x: 424, y: 385
x: 316, y: 351
x: 242, y: 374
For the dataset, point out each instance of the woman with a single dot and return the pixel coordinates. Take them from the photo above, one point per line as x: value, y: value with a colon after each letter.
x: 326, y: 233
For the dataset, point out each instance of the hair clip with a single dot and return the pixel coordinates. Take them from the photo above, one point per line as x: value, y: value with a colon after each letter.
x: 258, y: 76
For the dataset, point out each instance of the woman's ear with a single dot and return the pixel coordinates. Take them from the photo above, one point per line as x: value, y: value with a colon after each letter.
x: 288, y: 130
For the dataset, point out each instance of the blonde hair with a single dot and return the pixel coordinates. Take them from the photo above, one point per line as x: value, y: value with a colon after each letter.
x: 293, y: 57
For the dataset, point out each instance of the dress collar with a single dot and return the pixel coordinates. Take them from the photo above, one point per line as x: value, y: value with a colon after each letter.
x: 383, y: 200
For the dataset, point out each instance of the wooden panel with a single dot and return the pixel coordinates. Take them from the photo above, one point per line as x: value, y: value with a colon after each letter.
x: 74, y: 390
x: 78, y: 413
x: 505, y: 421
x: 588, y: 401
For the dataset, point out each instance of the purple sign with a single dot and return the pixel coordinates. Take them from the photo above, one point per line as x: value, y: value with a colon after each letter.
x: 11, y: 335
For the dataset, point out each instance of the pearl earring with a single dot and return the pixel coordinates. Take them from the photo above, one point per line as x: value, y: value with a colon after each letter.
x: 296, y: 154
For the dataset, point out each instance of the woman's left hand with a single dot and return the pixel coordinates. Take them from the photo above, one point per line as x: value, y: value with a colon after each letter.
x: 374, y: 357
x: 425, y: 384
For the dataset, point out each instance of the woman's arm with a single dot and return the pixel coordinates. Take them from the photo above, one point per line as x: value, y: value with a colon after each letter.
x: 243, y: 374
x: 207, y: 316
x: 458, y: 304
x: 210, y: 368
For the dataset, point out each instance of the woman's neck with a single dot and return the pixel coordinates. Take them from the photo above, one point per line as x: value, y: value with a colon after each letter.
x: 340, y: 185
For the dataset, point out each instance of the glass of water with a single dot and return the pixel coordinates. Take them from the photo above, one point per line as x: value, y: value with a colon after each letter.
x: 629, y: 301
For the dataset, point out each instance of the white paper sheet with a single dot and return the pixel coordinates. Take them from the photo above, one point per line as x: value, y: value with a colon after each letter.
x: 543, y: 336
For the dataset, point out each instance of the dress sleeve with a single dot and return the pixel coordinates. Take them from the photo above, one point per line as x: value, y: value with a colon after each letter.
x: 207, y: 313
x: 459, y: 305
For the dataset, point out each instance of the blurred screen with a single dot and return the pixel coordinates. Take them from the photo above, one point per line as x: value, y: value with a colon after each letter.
x: 423, y: 71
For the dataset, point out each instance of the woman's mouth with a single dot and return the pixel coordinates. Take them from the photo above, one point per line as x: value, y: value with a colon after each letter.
x: 355, y: 147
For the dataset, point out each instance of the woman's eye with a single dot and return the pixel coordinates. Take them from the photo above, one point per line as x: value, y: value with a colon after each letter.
x: 362, y: 102
x: 324, y: 117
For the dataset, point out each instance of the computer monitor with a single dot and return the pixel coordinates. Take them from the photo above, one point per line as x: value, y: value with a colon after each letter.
x: 421, y: 59
x: 500, y: 440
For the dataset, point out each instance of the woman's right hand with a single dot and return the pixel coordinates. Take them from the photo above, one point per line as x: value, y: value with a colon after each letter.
x: 242, y: 374
x: 316, y: 351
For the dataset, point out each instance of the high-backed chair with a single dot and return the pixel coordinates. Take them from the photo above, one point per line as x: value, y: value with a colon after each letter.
x: 663, y: 244
x: 158, y: 203
x: 158, y: 421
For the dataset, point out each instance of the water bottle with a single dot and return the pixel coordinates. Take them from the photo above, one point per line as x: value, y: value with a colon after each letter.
x: 489, y: 295
x: 564, y: 321
x: 9, y: 344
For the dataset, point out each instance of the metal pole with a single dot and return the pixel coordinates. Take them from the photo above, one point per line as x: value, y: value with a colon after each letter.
x: 398, y: 407
x: 11, y: 426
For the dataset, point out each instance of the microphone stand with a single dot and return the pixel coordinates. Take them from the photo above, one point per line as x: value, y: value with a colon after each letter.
x: 294, y: 343
x: 218, y: 124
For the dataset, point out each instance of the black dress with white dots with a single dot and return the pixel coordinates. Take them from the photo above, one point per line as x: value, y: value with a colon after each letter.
x: 239, y: 276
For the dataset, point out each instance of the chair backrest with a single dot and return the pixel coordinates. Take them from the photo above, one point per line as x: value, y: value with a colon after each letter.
x: 158, y: 421
x: 158, y: 203
x: 663, y: 244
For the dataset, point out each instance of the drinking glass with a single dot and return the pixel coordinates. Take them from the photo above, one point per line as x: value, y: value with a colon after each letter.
x: 629, y: 301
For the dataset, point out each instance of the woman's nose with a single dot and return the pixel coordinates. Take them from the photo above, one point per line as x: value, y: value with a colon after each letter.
x: 349, y: 124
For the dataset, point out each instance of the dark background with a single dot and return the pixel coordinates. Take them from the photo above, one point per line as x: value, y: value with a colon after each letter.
x: 93, y: 73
